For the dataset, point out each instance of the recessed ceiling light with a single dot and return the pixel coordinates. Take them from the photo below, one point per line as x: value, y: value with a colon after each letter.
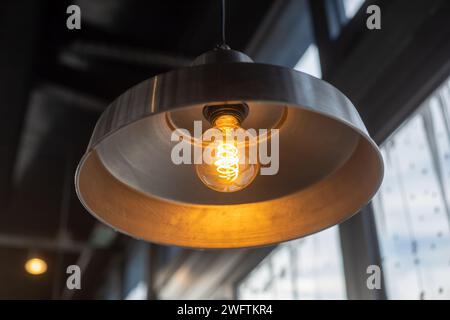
x: 36, y: 266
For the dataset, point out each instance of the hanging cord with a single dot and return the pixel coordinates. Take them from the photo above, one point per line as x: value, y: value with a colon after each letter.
x: 223, y: 23
x: 223, y: 16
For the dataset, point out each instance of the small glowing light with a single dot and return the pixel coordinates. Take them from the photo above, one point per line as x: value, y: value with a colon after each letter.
x: 226, y: 173
x: 36, y: 266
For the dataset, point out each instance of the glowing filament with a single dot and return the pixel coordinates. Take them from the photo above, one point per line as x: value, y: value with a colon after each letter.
x: 227, y: 163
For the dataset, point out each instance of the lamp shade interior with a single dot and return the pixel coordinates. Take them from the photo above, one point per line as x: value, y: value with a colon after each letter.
x: 313, y: 146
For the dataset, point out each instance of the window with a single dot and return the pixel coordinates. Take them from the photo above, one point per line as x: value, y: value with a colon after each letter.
x: 138, y: 293
x: 308, y: 268
x: 309, y: 62
x: 412, y: 207
x: 351, y: 7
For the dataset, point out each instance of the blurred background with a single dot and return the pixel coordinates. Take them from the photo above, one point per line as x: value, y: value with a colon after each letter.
x: 55, y: 82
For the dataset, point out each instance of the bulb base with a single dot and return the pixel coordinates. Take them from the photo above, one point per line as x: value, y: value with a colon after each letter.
x: 238, y: 111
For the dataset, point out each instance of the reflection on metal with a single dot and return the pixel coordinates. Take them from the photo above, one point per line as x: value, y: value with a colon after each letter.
x: 412, y: 208
x: 329, y: 166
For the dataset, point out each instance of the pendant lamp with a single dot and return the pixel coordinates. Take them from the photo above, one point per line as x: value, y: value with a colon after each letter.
x: 328, y: 166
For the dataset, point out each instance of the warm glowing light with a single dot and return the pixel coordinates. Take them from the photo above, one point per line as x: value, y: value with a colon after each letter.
x: 36, y: 266
x: 227, y: 163
x: 227, y: 172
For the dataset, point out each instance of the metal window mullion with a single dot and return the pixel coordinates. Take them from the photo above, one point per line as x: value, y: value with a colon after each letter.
x: 359, y: 244
x: 434, y: 154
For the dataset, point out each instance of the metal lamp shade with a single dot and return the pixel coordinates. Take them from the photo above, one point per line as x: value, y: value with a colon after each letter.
x: 329, y: 167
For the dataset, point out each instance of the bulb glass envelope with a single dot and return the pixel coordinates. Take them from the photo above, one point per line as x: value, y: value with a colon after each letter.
x: 328, y: 165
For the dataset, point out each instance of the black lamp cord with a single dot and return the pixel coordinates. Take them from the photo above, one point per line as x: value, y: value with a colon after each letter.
x: 223, y: 15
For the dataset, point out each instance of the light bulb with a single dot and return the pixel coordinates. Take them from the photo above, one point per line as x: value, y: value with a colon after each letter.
x: 226, y: 164
x: 36, y: 266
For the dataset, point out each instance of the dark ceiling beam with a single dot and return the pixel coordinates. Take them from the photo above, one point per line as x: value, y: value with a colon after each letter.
x: 83, y: 51
x: 73, y: 97
x: 101, y: 237
x: 41, y: 243
x: 82, y: 68
x: 101, y: 80
x: 322, y: 33
x: 20, y: 23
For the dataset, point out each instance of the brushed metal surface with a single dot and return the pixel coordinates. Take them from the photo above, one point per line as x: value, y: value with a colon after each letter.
x: 329, y: 166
